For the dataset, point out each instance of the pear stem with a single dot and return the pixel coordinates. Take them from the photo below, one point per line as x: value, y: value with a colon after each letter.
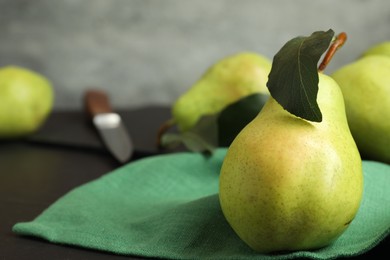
x: 162, y: 130
x: 337, y: 44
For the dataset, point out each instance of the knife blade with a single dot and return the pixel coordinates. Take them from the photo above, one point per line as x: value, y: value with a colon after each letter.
x: 109, y: 125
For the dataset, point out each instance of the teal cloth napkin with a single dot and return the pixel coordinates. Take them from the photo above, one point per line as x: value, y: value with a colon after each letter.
x: 167, y: 207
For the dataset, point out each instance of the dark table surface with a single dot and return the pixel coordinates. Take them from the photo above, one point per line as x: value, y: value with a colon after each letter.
x: 65, y: 153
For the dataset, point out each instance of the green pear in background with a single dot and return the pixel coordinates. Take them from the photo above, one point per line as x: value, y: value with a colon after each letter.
x: 365, y: 84
x: 225, y: 82
x: 26, y: 99
x: 290, y: 184
x: 382, y: 48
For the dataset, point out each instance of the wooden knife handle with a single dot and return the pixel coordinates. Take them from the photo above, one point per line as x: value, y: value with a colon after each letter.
x: 97, y: 102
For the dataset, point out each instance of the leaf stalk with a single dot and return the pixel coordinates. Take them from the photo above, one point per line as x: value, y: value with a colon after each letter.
x: 162, y: 130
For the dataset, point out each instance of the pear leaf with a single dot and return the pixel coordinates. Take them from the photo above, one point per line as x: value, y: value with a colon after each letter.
x: 203, y: 137
x: 236, y: 116
x: 293, y: 80
x: 219, y: 129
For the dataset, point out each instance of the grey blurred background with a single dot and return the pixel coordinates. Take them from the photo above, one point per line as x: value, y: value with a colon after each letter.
x: 150, y: 51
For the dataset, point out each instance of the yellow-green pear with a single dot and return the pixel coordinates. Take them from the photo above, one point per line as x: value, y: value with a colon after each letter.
x: 225, y: 82
x: 365, y: 84
x: 26, y: 99
x: 382, y: 48
x: 291, y: 184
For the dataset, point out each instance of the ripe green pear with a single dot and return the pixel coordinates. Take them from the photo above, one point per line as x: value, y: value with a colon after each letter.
x: 26, y: 99
x: 225, y: 82
x: 365, y: 84
x: 289, y: 184
x: 382, y: 48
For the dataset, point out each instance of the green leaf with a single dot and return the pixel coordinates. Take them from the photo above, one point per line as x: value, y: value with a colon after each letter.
x: 217, y: 130
x: 203, y: 137
x: 236, y: 116
x: 293, y: 80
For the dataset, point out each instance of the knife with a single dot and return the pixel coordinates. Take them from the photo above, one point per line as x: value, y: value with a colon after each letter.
x: 109, y: 125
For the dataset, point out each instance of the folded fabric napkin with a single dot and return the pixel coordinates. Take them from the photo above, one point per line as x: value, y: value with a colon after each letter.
x: 167, y: 207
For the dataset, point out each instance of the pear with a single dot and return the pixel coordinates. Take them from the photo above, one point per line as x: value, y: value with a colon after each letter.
x: 26, y: 100
x: 382, y: 48
x: 365, y: 84
x: 289, y: 184
x: 225, y: 82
